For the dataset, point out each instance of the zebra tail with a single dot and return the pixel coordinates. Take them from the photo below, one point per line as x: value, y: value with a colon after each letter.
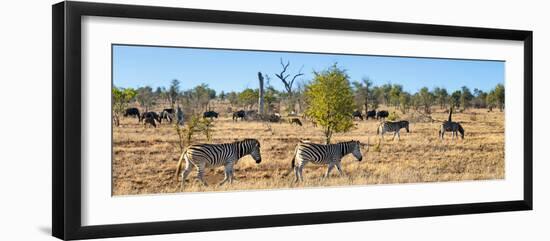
x: 294, y: 156
x: 180, y: 164
x: 378, y: 130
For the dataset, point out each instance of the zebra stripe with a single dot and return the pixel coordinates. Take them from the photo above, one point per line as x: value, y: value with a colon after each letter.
x: 319, y: 154
x: 214, y: 155
x: 395, y: 127
x: 453, y: 127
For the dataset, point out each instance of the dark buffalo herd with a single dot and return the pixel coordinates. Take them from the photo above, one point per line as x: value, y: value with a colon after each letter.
x: 151, y: 118
x: 373, y: 114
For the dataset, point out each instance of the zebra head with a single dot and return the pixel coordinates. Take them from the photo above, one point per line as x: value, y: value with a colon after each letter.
x: 405, y: 124
x: 356, y: 150
x: 461, y: 130
x: 252, y: 147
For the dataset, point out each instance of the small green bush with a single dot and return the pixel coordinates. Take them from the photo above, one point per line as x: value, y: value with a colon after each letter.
x: 393, y: 116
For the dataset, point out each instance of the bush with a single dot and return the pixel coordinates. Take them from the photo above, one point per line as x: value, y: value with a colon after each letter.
x: 393, y: 116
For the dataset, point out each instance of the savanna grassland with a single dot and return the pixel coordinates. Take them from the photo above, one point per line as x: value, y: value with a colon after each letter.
x: 145, y: 159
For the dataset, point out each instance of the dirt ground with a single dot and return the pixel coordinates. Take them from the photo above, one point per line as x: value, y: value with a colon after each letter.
x: 145, y: 158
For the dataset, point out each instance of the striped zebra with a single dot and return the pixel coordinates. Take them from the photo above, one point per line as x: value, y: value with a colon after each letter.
x: 453, y: 127
x: 395, y: 127
x: 330, y: 155
x: 214, y: 155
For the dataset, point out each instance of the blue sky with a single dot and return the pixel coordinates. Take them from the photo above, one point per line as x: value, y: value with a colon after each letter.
x: 235, y: 70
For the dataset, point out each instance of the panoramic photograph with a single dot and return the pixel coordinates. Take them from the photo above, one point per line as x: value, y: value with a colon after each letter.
x: 210, y: 120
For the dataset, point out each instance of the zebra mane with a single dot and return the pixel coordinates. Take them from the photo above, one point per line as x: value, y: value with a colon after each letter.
x: 346, y: 146
x: 244, y: 147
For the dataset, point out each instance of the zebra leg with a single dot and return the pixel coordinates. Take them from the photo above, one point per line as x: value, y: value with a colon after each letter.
x: 300, y: 174
x: 393, y: 137
x: 227, y: 174
x: 339, y: 167
x: 398, y: 136
x: 200, y: 174
x: 296, y: 170
x: 185, y: 173
x: 330, y: 167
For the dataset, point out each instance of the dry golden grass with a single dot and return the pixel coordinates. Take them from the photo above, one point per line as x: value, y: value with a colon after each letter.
x: 145, y: 158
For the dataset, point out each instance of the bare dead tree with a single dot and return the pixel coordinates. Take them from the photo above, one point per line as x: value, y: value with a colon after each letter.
x: 288, y: 83
x: 261, y: 95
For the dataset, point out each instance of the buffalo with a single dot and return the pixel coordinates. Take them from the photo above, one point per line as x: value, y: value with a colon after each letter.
x: 132, y: 112
x: 371, y: 114
x: 382, y: 114
x: 239, y: 114
x: 357, y: 114
x: 210, y: 114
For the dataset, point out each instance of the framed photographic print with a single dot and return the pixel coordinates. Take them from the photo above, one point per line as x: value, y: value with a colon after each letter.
x: 171, y: 120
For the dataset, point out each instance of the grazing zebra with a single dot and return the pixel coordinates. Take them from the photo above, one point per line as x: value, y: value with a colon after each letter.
x: 453, y: 127
x: 167, y: 114
x: 214, y: 155
x: 395, y: 127
x: 330, y: 155
x: 180, y: 116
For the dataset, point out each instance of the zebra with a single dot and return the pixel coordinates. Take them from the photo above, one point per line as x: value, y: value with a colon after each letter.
x: 453, y: 127
x: 180, y: 116
x: 330, y: 155
x: 214, y: 155
x: 395, y: 127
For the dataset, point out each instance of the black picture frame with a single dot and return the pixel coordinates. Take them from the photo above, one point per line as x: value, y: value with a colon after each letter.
x: 66, y: 127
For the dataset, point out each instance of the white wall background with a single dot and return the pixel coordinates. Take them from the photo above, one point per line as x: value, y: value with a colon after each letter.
x: 25, y: 141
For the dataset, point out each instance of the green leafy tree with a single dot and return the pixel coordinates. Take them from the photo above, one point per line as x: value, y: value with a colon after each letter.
x: 426, y: 99
x: 330, y: 101
x: 248, y: 97
x: 385, y: 93
x: 499, y: 96
x: 233, y: 98
x: 466, y: 98
x: 201, y: 95
x: 480, y: 98
x: 173, y: 91
x: 394, y: 94
x: 121, y: 98
x: 455, y: 99
x: 362, y: 93
x: 377, y: 97
x: 145, y: 97
x: 441, y: 97
x: 404, y: 101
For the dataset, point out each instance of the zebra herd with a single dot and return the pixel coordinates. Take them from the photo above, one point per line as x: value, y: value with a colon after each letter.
x: 202, y: 156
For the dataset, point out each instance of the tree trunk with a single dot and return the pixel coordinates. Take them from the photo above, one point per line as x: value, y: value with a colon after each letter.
x: 261, y: 95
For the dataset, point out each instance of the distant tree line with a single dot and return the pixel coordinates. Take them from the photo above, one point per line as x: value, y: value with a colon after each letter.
x: 370, y: 97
